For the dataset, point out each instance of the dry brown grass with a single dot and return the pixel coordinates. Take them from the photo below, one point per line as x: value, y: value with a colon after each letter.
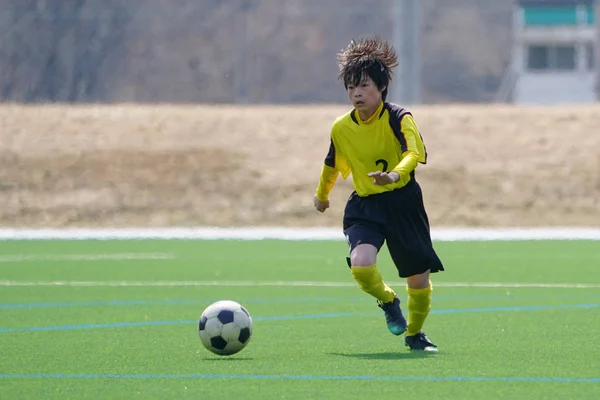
x: 132, y: 165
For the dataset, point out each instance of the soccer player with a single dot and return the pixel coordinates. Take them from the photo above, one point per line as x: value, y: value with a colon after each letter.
x: 380, y: 145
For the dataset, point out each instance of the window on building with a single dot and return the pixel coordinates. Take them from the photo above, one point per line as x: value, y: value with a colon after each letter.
x: 564, y: 57
x: 538, y: 57
x: 542, y: 57
x: 590, y: 56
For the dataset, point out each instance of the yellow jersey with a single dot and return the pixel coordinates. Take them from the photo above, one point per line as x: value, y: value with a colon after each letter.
x: 388, y: 141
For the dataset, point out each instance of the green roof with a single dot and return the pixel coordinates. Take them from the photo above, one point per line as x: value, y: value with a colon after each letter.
x: 556, y: 16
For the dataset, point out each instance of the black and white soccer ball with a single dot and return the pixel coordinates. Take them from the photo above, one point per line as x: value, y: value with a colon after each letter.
x: 225, y: 327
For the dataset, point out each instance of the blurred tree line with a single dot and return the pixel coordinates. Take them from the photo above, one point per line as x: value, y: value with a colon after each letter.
x: 225, y: 51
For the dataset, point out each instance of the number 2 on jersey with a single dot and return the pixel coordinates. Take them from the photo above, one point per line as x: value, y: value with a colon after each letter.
x: 384, y: 164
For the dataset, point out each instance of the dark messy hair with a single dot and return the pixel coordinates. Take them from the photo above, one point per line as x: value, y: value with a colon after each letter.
x: 369, y: 57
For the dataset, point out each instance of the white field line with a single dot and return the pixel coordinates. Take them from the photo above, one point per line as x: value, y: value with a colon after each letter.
x: 286, y: 284
x: 524, y: 255
x: 17, y: 258
x: 439, y: 234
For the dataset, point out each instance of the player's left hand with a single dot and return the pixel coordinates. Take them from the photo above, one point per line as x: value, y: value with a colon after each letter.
x: 384, y: 178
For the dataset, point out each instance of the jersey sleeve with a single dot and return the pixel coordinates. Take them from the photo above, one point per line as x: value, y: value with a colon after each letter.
x: 335, y: 164
x: 336, y: 159
x: 413, y: 149
x: 326, y: 182
x: 411, y: 139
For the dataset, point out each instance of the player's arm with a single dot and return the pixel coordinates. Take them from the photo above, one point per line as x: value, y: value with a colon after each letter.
x: 328, y: 177
x: 411, y: 153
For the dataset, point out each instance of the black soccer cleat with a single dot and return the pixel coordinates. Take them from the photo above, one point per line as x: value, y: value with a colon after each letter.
x: 420, y: 341
x: 393, y: 316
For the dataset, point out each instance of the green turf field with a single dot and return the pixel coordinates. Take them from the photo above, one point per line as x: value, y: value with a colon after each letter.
x: 123, y: 323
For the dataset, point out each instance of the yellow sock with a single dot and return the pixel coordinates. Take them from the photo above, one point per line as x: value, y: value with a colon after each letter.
x: 419, y: 304
x: 369, y: 279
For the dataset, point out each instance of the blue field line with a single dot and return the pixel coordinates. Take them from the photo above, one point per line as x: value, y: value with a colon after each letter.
x: 109, y: 303
x: 96, y: 303
x: 520, y: 308
x: 172, y: 302
x: 305, y: 377
x: 94, y: 326
x: 289, y: 317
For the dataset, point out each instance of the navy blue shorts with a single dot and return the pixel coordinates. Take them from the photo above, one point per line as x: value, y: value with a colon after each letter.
x: 397, y: 218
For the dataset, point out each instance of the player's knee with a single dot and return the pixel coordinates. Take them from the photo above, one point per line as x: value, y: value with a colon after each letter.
x: 363, y: 256
x: 419, y: 281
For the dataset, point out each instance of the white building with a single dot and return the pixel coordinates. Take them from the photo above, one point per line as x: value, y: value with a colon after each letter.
x: 553, y: 57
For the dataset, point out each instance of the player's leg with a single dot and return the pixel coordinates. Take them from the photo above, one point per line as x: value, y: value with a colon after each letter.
x: 419, y: 289
x: 410, y: 262
x: 365, y: 239
x: 409, y: 242
x: 363, y: 265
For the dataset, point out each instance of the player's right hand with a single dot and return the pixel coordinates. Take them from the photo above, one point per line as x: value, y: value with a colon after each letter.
x: 321, y: 206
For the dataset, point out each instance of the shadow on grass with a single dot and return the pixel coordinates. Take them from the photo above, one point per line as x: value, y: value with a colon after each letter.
x: 404, y: 355
x: 227, y: 358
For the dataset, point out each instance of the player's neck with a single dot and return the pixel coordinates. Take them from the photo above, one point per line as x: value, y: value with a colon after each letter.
x: 368, y: 114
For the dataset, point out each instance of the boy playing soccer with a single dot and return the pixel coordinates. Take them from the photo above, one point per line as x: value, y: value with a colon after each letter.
x: 379, y: 143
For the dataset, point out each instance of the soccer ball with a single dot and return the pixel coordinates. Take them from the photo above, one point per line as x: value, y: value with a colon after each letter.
x: 225, y: 327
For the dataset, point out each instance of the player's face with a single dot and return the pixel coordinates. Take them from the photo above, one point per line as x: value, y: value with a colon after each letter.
x: 365, y: 96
